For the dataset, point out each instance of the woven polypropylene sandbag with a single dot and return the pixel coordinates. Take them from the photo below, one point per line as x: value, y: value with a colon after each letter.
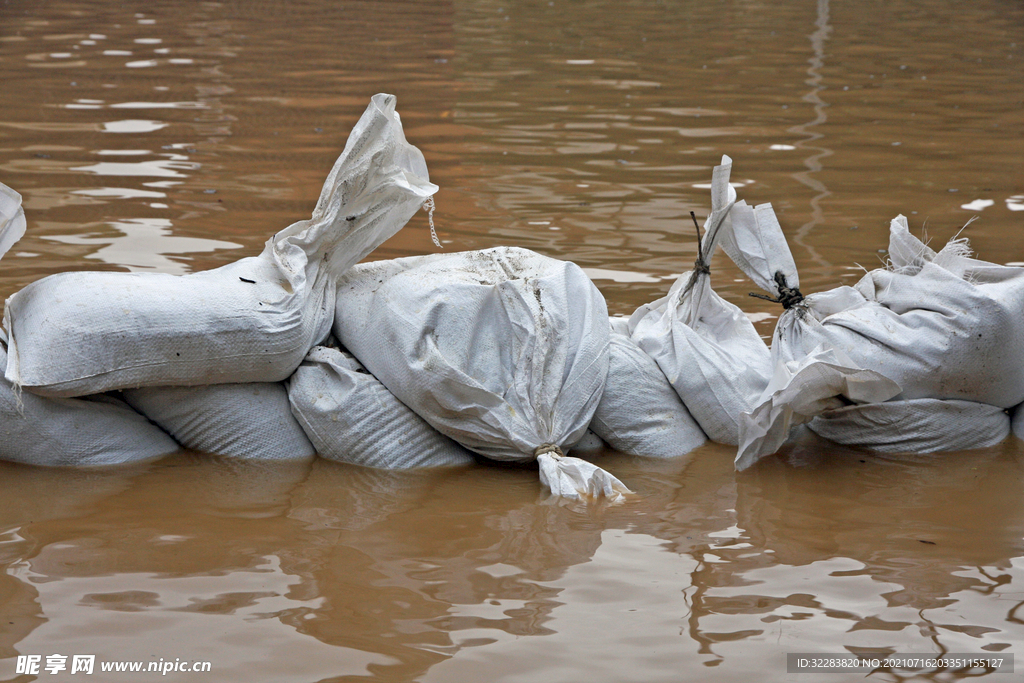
x: 940, y: 325
x: 503, y: 350
x: 640, y: 413
x: 250, y: 321
x: 252, y: 420
x: 707, y: 347
x: 351, y: 417
x: 924, y: 425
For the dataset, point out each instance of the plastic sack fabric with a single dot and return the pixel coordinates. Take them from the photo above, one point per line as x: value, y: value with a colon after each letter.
x: 351, y: 417
x: 502, y: 350
x: 707, y: 347
x: 922, y: 425
x: 932, y: 325
x: 249, y: 321
x: 251, y: 421
x: 639, y: 412
x: 1017, y: 424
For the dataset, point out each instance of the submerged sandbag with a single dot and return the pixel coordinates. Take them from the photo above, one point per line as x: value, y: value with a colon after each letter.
x: 250, y: 321
x: 923, y: 425
x: 251, y: 421
x: 351, y: 417
x: 503, y: 350
x: 74, y: 432
x: 707, y: 347
x: 639, y: 412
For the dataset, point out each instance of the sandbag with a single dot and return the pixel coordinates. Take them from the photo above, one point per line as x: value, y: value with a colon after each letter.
x: 707, y: 347
x: 351, y: 417
x: 1017, y: 424
x: 931, y: 325
x: 250, y: 321
x: 941, y: 325
x: 639, y: 412
x: 74, y: 432
x: 503, y: 350
x: 251, y: 421
x: 922, y: 425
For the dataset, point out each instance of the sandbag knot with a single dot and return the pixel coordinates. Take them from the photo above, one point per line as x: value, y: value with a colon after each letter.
x: 548, y: 448
x: 788, y: 296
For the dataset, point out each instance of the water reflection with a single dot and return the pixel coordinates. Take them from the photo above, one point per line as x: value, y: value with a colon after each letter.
x: 142, y: 244
x: 812, y: 135
x: 359, y: 571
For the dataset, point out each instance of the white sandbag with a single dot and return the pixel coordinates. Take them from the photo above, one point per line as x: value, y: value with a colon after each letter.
x: 639, y: 412
x: 74, y: 432
x: 941, y: 325
x: 923, y: 425
x: 931, y: 326
x: 249, y: 321
x: 351, y: 417
x: 251, y: 421
x: 707, y: 347
x: 1017, y: 424
x: 503, y: 350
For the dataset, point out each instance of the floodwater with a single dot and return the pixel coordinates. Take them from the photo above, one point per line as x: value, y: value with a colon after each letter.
x: 175, y: 137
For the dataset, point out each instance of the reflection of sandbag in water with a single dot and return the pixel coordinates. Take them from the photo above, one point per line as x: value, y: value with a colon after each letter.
x: 937, y: 325
x: 74, y: 432
x: 707, y: 347
x: 503, y: 350
x: 351, y: 417
x: 250, y: 321
x: 923, y: 425
x: 250, y: 420
x: 639, y: 412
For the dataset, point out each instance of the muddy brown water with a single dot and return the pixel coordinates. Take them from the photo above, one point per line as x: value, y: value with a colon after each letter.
x: 175, y: 137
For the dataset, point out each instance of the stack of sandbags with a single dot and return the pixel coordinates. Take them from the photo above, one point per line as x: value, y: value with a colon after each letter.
x: 351, y: 417
x: 938, y: 326
x: 203, y: 355
x: 503, y: 350
x: 250, y: 321
x: 99, y: 430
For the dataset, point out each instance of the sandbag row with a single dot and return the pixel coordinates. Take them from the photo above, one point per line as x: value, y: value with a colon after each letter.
x: 503, y: 353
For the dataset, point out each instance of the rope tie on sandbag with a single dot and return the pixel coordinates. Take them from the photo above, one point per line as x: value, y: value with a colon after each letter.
x: 788, y: 296
x: 701, y: 265
x: 548, y: 448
